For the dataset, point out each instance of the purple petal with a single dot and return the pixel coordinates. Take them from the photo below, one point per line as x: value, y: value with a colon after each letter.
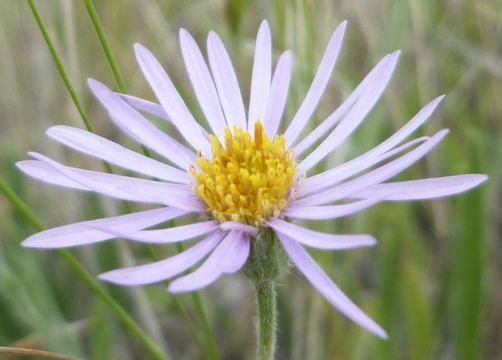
x: 341, y: 111
x: 320, y: 240
x: 278, y: 93
x: 107, y: 150
x: 128, y: 188
x: 210, y: 270
x: 137, y: 127
x: 226, y: 82
x: 423, y: 188
x: 202, y: 83
x: 356, y: 115
x: 315, y: 184
x: 232, y: 225
x: 165, y: 269
x: 170, y: 99
x: 373, y: 177
x: 145, y: 105
x: 318, y: 85
x: 260, y: 80
x: 164, y: 236
x: 40, y: 171
x: 329, y: 211
x: 326, y: 287
x: 82, y: 234
x: 238, y: 254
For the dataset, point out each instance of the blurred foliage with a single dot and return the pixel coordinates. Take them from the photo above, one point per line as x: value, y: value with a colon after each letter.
x: 434, y: 279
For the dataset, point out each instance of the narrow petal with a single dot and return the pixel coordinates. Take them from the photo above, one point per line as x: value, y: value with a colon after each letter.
x: 278, y: 94
x: 330, y: 211
x: 165, y: 236
x: 127, y: 188
x: 170, y: 99
x: 315, y: 184
x: 226, y: 82
x: 262, y: 72
x: 40, y: 171
x: 341, y: 110
x: 319, y: 83
x: 202, y: 83
x: 374, y: 177
x: 423, y: 188
x: 151, y: 108
x: 354, y: 118
x: 238, y: 255
x: 146, y: 106
x: 82, y: 233
x: 210, y: 270
x: 165, y: 269
x: 326, y: 287
x: 137, y: 127
x: 373, y: 156
x: 232, y: 225
x: 318, y: 239
x: 107, y: 150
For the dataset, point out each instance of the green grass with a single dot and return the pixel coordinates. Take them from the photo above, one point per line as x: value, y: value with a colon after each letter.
x: 433, y: 280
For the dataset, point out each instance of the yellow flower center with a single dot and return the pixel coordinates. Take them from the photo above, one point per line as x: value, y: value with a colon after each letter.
x: 248, y: 180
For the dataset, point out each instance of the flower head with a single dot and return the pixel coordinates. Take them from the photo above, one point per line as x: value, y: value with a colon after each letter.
x: 239, y: 173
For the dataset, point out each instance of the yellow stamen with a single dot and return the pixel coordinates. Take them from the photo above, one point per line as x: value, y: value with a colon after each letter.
x: 248, y: 180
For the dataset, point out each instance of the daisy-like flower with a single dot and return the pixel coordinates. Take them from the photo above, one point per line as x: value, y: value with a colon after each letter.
x: 244, y: 178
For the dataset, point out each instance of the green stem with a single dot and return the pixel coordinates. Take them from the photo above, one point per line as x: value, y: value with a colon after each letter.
x: 91, y: 10
x: 266, y: 264
x: 266, y: 301
x: 129, y: 323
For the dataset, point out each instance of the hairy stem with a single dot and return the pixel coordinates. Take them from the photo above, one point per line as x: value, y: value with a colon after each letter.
x: 266, y: 300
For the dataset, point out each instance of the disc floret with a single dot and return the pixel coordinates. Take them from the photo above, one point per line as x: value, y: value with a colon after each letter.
x: 248, y: 179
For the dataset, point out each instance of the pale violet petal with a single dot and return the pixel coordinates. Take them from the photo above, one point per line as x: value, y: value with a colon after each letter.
x: 137, y: 127
x: 278, y: 94
x: 318, y: 85
x: 40, y: 171
x: 326, y: 287
x: 226, y: 82
x: 202, y: 83
x: 152, y: 109
x: 340, y: 111
x: 238, y: 255
x: 318, y: 239
x: 145, y: 105
x: 210, y: 270
x: 329, y: 211
x: 315, y: 184
x: 82, y: 233
x: 170, y: 99
x: 261, y: 77
x: 164, y: 269
x: 375, y: 176
x: 422, y: 189
x: 104, y: 149
x: 164, y: 236
x: 127, y: 188
x: 354, y: 118
x: 232, y: 225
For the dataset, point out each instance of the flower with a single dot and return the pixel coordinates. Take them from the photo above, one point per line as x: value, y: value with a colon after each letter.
x: 238, y: 173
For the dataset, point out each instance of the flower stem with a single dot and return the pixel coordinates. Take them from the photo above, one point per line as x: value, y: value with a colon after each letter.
x: 266, y: 264
x: 266, y: 300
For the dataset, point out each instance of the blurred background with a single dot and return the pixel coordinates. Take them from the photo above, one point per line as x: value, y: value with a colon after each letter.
x: 434, y: 280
